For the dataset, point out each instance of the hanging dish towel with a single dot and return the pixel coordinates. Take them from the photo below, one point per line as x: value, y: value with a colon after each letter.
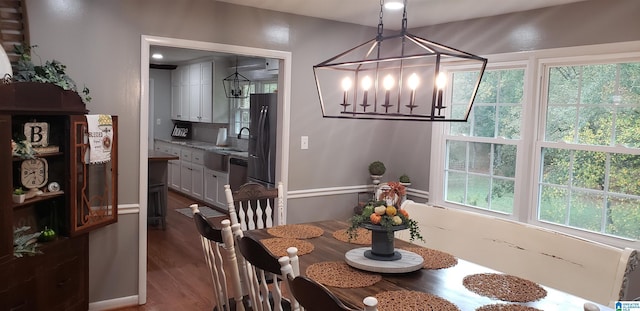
x: 100, y: 135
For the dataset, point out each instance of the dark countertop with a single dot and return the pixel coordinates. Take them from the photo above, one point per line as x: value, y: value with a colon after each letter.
x: 155, y: 155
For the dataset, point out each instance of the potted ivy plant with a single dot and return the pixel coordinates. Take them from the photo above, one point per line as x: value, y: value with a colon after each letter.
x: 52, y: 72
x: 19, y: 195
x: 376, y: 170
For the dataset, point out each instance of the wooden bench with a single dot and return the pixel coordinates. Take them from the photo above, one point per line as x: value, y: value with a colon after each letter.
x: 584, y: 268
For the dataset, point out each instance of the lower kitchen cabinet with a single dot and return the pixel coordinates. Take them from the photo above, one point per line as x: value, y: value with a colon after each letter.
x: 174, y: 174
x: 197, y: 178
x: 214, y: 182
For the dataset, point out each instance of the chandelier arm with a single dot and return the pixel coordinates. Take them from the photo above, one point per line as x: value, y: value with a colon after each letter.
x: 322, y: 64
x: 420, y: 41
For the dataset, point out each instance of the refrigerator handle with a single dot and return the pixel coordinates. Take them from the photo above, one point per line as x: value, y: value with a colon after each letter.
x: 266, y: 127
x: 260, y: 135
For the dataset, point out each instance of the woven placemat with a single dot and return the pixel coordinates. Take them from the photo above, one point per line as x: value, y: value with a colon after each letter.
x: 506, y: 307
x: 278, y: 246
x: 504, y: 287
x: 433, y: 259
x: 339, y: 274
x: 296, y: 231
x: 402, y: 300
x: 363, y: 236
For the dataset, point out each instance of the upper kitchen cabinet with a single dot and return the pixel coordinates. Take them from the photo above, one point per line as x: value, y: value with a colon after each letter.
x: 192, y: 95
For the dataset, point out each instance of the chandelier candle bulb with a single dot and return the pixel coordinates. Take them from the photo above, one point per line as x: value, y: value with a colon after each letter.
x: 388, y: 83
x: 441, y: 81
x: 346, y: 85
x: 366, y: 84
x: 413, y: 84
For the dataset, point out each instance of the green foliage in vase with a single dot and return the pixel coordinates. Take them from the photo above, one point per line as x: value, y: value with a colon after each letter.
x: 377, y: 168
x: 25, y: 244
x: 18, y: 191
x: 386, y: 221
x: 51, y: 72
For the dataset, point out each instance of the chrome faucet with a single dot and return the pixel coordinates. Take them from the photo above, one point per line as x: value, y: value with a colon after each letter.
x: 240, y: 133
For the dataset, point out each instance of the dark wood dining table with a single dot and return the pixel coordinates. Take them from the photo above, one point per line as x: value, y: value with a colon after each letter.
x: 445, y: 283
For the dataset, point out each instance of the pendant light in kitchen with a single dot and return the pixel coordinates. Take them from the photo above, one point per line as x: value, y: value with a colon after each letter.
x: 236, y: 85
x: 399, y: 77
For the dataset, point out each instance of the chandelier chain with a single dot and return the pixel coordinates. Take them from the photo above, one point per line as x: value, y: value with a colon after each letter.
x: 404, y: 18
x: 380, y: 25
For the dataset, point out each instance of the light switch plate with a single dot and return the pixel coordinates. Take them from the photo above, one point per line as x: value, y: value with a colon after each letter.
x: 304, y: 142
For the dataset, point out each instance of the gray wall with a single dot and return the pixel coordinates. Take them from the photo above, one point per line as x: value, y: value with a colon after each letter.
x: 99, y: 41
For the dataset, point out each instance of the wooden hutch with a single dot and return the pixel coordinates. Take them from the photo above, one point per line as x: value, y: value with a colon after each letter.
x: 71, y: 196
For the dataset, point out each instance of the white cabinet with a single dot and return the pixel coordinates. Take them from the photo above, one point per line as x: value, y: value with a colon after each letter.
x: 180, y: 94
x: 214, y: 182
x: 192, y: 92
x: 175, y: 94
x: 191, y: 173
x: 206, y: 93
x: 174, y: 174
x: 197, y: 181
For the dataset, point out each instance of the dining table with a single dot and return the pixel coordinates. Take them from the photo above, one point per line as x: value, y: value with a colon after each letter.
x: 446, y: 283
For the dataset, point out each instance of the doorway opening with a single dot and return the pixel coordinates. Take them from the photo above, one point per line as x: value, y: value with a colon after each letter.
x: 282, y: 148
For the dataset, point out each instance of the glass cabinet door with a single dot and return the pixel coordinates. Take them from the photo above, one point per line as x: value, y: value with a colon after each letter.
x: 94, y: 199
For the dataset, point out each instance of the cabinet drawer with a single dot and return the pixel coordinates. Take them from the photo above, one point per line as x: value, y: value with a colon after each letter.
x: 197, y: 157
x: 16, y: 287
x: 185, y: 154
x: 18, y: 297
x: 60, y: 286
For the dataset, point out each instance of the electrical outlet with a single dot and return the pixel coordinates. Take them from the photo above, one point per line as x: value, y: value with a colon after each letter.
x: 304, y: 142
x: 158, y: 121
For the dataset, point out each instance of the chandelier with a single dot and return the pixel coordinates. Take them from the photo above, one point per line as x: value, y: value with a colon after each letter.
x: 236, y: 85
x: 398, y: 77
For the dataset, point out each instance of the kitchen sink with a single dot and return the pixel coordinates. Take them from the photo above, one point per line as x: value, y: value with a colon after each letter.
x: 216, y: 161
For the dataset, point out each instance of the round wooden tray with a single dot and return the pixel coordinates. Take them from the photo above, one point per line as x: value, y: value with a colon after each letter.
x: 409, y: 262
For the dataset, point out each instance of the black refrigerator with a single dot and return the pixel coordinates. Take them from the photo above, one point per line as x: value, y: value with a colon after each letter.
x: 262, y: 139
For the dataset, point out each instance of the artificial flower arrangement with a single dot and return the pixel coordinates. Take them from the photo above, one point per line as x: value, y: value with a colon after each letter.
x: 22, y: 148
x: 385, y: 211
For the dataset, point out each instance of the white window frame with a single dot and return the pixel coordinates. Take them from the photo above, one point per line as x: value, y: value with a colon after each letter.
x: 529, y: 147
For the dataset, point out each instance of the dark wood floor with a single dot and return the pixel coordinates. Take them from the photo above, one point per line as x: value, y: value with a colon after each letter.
x: 177, y: 276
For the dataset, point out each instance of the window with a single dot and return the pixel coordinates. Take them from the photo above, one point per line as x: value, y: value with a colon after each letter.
x: 240, y: 109
x: 480, y: 161
x: 557, y: 146
x: 590, y: 164
x: 240, y: 106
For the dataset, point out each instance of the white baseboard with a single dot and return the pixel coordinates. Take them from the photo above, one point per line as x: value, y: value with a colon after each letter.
x: 114, y: 303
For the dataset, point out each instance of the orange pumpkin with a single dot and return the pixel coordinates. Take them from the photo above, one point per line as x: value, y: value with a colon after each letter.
x: 405, y: 213
x: 375, y: 218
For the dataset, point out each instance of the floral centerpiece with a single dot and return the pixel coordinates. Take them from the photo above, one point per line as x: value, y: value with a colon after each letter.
x: 385, y: 211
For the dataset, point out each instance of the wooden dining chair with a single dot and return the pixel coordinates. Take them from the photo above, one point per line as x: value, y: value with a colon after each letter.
x: 254, y: 206
x: 289, y: 269
x: 263, y: 277
x: 220, y: 255
x: 314, y: 296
